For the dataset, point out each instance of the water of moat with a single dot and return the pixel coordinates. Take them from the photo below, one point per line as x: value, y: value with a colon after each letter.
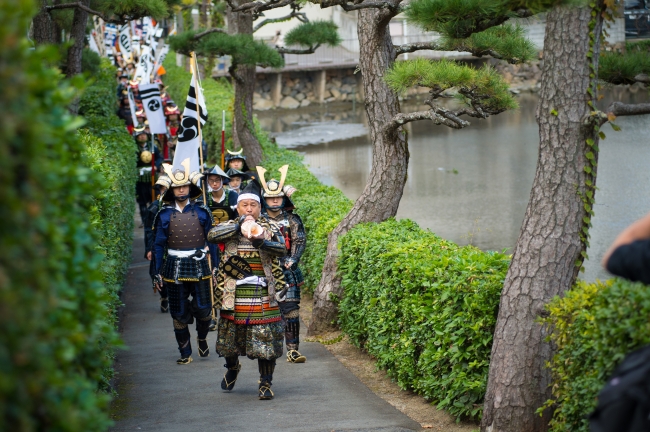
x: 472, y: 185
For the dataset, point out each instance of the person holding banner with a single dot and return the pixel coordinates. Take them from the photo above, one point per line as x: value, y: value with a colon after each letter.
x: 144, y: 157
x: 181, y: 258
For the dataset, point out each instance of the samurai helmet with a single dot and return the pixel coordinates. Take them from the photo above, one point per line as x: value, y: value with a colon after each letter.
x: 232, y: 172
x: 182, y: 177
x: 230, y: 155
x: 274, y: 188
x: 216, y: 171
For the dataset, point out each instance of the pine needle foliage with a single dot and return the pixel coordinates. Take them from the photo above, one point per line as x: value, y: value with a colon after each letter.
x: 619, y: 68
x: 460, y: 18
x: 446, y: 74
x: 506, y: 41
x: 313, y: 33
x: 241, y: 47
x: 156, y: 9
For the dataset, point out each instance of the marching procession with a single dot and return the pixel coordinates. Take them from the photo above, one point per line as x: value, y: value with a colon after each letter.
x: 224, y: 243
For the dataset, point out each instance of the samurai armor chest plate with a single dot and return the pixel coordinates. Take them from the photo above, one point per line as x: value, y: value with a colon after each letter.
x: 185, y: 231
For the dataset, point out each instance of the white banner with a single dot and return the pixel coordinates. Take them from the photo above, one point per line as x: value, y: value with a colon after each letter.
x: 125, y: 44
x: 153, y: 106
x: 143, y: 71
x: 188, y: 132
x: 133, y: 108
x: 92, y: 43
x: 160, y: 59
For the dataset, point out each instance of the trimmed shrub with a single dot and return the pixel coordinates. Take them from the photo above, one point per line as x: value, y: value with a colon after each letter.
x: 424, y: 307
x: 55, y: 333
x: 593, y: 327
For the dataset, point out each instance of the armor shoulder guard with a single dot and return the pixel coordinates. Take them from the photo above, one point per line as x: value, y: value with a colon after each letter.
x: 160, y: 211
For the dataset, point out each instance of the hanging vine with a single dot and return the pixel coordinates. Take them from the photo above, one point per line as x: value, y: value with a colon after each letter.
x: 602, y: 13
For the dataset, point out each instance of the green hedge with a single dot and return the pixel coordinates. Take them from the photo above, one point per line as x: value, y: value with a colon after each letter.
x: 424, y: 307
x: 52, y: 299
x: 594, y: 326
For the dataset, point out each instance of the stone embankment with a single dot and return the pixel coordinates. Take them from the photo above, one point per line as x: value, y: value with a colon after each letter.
x: 300, y: 89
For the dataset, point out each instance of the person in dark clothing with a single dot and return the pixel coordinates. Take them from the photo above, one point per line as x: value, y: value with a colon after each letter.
x: 162, y: 185
x: 629, y: 255
x: 144, y: 156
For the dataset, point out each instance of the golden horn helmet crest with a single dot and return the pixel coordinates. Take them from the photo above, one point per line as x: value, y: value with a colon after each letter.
x: 233, y: 153
x: 178, y: 177
x: 273, y: 188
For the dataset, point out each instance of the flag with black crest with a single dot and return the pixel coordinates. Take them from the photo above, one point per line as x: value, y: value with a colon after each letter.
x: 153, y: 107
x: 188, y: 132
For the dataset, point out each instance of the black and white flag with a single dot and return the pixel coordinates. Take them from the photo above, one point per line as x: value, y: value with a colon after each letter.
x: 188, y: 132
x: 160, y: 59
x: 153, y: 107
x: 124, y: 41
x: 143, y: 71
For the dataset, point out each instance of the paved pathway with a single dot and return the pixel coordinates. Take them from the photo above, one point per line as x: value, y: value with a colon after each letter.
x: 156, y: 394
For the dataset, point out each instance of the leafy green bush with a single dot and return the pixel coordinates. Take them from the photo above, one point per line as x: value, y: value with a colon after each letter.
x: 52, y: 300
x: 594, y: 326
x: 424, y: 307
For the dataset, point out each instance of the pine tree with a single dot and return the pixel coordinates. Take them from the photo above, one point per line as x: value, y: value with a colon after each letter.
x: 246, y: 53
x: 476, y: 26
x: 554, y: 236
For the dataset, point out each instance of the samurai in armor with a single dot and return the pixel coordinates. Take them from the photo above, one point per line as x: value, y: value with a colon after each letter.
x: 162, y: 185
x: 249, y: 278
x: 180, y: 254
x: 236, y: 160
x: 143, y: 187
x: 278, y: 208
x: 222, y: 202
x: 236, y: 180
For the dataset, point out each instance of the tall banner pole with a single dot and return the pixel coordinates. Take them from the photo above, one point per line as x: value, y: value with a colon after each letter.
x: 223, y: 141
x: 195, y: 73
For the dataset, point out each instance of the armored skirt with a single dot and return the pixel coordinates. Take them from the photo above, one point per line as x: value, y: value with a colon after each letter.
x: 254, y: 328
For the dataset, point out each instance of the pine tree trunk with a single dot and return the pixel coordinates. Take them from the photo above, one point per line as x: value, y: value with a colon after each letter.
x: 42, y: 26
x: 242, y: 124
x: 381, y: 196
x: 78, y: 36
x: 549, y: 245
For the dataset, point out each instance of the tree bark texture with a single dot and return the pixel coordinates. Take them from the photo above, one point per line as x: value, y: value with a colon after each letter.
x: 78, y: 36
x: 42, y: 26
x: 242, y: 124
x: 383, y: 191
x: 544, y: 260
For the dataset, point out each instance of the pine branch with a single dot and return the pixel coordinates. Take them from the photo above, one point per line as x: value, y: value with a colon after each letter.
x: 232, y: 70
x: 366, y: 4
x: 309, y: 50
x: 207, y: 32
x: 416, y: 46
x: 121, y: 20
x: 620, y: 109
x: 301, y: 16
x: 258, y: 7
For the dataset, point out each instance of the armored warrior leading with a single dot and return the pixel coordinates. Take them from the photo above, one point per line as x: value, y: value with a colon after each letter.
x: 248, y: 276
x: 279, y: 209
x: 180, y: 254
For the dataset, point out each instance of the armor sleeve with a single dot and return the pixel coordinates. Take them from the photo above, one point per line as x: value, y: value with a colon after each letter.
x: 160, y: 239
x: 152, y: 210
x: 222, y: 232
x: 158, y: 157
x: 298, y: 238
x: 206, y: 220
x: 275, y: 246
x: 272, y: 247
